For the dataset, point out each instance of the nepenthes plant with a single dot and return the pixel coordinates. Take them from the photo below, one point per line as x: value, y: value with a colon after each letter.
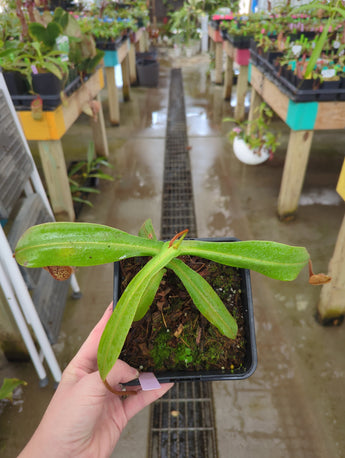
x: 58, y: 246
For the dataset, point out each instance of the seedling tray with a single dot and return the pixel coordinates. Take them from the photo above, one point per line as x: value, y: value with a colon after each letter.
x: 250, y: 361
x: 50, y: 102
x: 292, y: 91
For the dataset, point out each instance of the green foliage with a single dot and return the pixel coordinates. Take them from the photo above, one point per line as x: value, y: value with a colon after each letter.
x: 83, y: 171
x: 45, y: 35
x: 82, y: 244
x: 8, y: 386
x: 256, y: 132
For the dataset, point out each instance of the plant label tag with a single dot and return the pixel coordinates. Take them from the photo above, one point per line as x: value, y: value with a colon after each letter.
x: 148, y: 381
x: 328, y: 73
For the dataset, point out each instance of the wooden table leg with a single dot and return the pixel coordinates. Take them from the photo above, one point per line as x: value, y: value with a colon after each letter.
x: 242, y: 87
x: 332, y: 304
x: 113, y: 96
x: 219, y: 63
x: 126, y: 89
x: 255, y: 101
x: 132, y: 68
x: 99, y: 133
x: 55, y: 173
x: 296, y: 160
x: 228, y: 77
x: 142, y: 42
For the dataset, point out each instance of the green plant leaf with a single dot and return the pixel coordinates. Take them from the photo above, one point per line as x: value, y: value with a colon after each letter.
x: 75, y: 168
x: 116, y: 330
x: 90, y: 190
x: 8, y: 386
x: 149, y: 295
x: 205, y: 298
x: 46, y: 35
x: 81, y: 200
x: 318, y: 49
x: 147, y: 231
x: 79, y: 244
x: 101, y: 175
x: 276, y: 260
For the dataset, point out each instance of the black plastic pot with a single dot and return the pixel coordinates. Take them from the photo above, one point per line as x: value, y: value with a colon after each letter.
x: 329, y: 90
x: 110, y: 45
x: 16, y: 83
x: 50, y: 101
x: 250, y: 362
x: 148, y: 72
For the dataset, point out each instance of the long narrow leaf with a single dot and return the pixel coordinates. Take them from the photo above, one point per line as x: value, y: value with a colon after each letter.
x: 116, y: 330
x: 149, y: 295
x: 318, y: 49
x: 79, y: 244
x: 205, y: 298
x: 276, y: 260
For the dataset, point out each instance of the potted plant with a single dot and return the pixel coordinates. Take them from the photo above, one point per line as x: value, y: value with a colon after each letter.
x: 253, y: 143
x: 84, y: 176
x: 57, y: 246
x: 184, y: 23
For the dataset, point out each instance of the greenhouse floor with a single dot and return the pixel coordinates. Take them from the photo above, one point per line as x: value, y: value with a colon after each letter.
x: 293, y: 405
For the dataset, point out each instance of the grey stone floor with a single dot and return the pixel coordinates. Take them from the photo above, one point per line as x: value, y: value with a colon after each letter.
x: 293, y: 406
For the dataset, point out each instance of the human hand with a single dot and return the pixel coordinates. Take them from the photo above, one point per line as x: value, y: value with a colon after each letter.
x: 84, y: 418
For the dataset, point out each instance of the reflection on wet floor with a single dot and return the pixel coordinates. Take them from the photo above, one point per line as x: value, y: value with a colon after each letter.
x: 293, y: 405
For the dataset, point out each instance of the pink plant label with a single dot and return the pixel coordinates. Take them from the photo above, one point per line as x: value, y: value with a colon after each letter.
x: 148, y: 381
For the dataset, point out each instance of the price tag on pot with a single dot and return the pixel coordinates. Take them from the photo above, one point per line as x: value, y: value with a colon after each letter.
x: 328, y: 72
x: 148, y: 381
x: 296, y: 49
x: 62, y: 44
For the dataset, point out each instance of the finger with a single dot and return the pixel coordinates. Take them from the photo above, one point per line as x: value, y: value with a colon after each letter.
x: 121, y: 373
x: 134, y: 404
x: 86, y: 358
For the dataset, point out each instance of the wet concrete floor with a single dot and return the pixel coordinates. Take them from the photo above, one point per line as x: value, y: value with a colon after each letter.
x: 293, y: 406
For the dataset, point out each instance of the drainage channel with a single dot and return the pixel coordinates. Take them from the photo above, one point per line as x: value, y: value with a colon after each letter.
x: 182, y: 422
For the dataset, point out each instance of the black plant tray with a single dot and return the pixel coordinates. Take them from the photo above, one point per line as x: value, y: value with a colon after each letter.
x: 250, y: 363
x: 293, y: 91
x: 110, y: 45
x: 50, y: 102
x: 239, y: 42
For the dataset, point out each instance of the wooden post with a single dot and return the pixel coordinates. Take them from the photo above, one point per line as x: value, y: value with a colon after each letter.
x: 297, y: 156
x: 255, y: 101
x: 142, y: 41
x: 332, y: 304
x: 132, y: 69
x: 219, y: 63
x: 99, y: 132
x: 126, y: 89
x: 55, y: 172
x: 228, y: 77
x: 113, y: 96
x: 242, y: 87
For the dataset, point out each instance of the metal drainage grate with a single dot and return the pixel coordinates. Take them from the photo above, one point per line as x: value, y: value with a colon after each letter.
x: 182, y: 422
x: 177, y: 201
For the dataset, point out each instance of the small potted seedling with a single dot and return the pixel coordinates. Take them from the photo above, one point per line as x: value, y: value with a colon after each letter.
x: 58, y: 246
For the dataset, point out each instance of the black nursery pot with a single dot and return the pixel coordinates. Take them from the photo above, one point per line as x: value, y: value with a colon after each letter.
x: 16, y: 83
x: 46, y: 84
x: 49, y: 87
x: 248, y: 366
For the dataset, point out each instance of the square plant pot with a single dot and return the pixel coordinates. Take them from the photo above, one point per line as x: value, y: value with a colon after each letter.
x: 175, y: 342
